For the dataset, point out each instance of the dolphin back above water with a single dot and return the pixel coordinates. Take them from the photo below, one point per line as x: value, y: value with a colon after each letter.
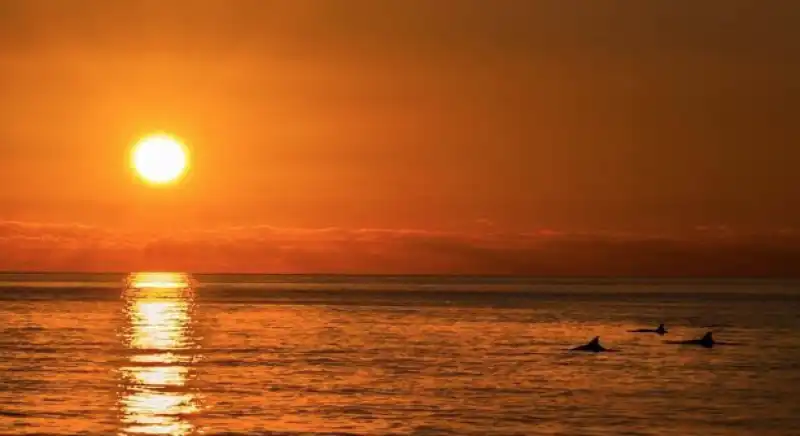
x: 707, y: 341
x: 593, y: 347
x: 661, y: 330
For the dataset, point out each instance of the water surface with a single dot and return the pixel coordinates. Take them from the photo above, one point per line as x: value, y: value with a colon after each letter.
x: 393, y: 355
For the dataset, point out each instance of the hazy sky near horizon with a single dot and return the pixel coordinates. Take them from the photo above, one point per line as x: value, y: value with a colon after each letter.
x: 451, y: 136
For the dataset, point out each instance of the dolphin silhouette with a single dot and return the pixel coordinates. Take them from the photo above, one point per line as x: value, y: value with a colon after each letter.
x: 592, y: 347
x: 661, y: 330
x: 707, y: 341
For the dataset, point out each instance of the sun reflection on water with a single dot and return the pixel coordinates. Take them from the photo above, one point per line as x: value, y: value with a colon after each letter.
x: 155, y: 395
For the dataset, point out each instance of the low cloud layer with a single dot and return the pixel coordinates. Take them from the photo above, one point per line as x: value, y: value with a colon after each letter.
x: 705, y: 252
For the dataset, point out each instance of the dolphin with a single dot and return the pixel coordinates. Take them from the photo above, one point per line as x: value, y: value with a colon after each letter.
x: 707, y: 341
x: 592, y: 347
x: 661, y: 330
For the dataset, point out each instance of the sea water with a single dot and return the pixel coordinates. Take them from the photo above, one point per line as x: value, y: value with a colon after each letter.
x: 172, y: 354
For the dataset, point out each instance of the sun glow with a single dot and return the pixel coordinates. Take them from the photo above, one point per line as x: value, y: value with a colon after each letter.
x: 159, y: 159
x: 157, y: 395
x: 158, y: 280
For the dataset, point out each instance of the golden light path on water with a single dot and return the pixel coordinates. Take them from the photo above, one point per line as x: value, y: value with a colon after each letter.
x: 155, y: 396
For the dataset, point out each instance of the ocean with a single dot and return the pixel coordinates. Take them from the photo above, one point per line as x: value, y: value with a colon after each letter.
x: 172, y: 354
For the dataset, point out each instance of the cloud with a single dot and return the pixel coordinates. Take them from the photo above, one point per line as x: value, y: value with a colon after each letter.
x: 265, y: 249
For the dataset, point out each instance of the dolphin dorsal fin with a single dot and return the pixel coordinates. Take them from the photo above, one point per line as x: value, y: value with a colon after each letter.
x: 661, y: 326
x: 708, y: 337
x: 595, y: 341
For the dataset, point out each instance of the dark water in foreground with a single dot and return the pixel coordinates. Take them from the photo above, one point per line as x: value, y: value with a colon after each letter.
x: 394, y: 355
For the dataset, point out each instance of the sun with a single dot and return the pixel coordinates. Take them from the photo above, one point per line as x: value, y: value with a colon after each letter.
x: 159, y: 159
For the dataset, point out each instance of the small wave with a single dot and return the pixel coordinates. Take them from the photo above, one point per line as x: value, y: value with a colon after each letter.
x: 46, y: 415
x: 286, y: 433
x: 12, y: 414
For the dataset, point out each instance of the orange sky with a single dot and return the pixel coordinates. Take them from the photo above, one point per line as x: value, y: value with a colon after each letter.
x: 404, y: 136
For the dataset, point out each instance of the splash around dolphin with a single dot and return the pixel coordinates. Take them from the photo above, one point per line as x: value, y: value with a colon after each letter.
x: 661, y: 330
x: 707, y: 341
x: 593, y: 347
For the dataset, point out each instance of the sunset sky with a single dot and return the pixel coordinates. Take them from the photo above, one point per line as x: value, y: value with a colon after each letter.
x: 512, y: 137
